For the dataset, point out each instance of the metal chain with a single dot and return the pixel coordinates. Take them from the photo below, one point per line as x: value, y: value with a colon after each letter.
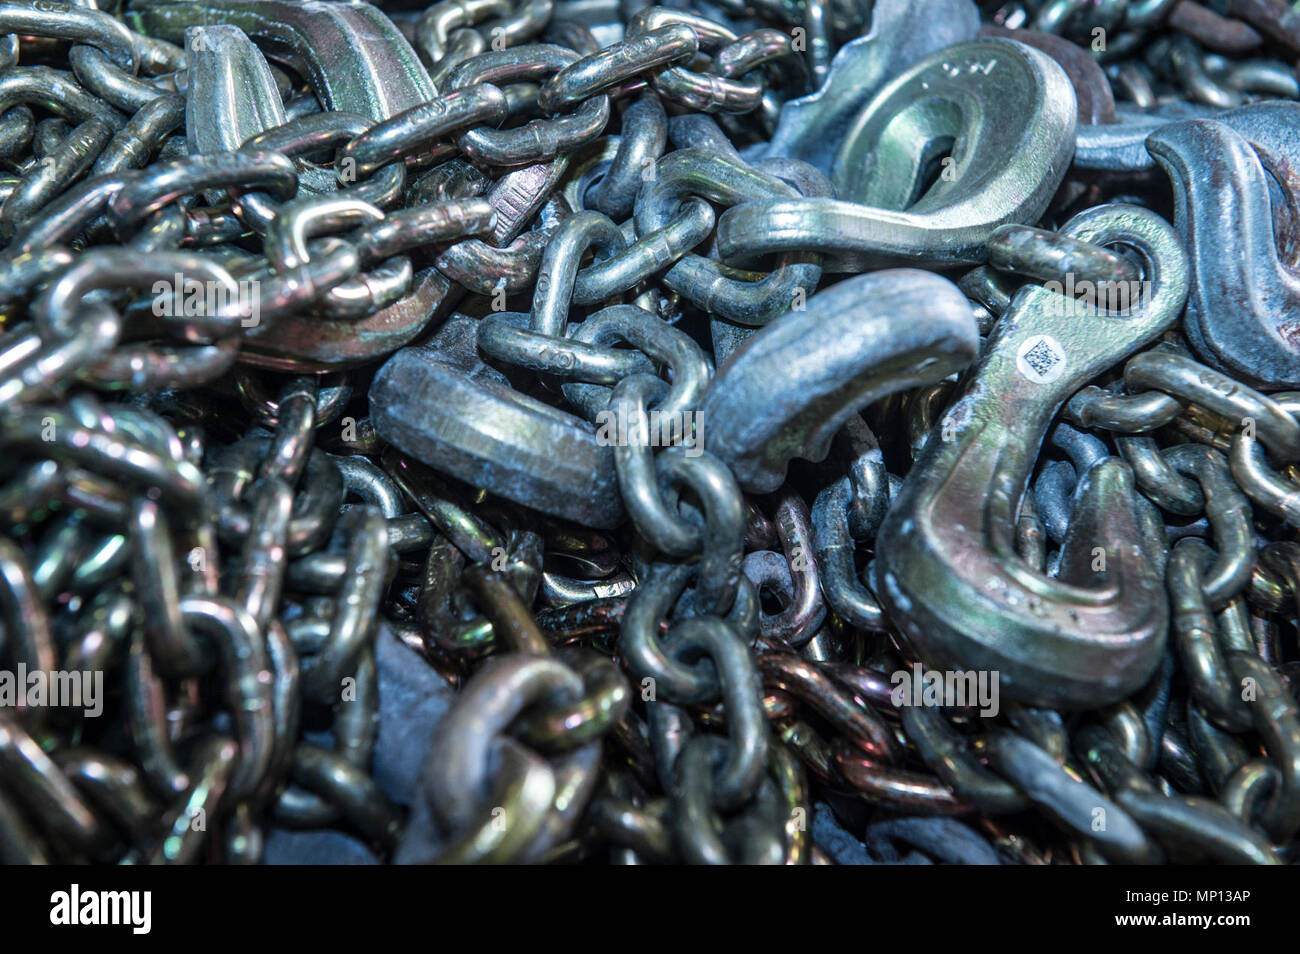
x: 537, y: 431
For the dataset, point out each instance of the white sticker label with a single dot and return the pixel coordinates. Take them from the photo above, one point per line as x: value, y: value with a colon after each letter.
x: 1041, y: 359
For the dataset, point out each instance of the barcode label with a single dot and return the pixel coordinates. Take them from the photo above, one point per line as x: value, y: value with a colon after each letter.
x: 1041, y: 359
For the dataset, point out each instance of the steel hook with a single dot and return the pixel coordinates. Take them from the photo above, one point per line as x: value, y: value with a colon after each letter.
x: 947, y: 564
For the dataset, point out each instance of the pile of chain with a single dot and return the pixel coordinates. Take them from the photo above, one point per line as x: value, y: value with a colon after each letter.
x: 572, y: 431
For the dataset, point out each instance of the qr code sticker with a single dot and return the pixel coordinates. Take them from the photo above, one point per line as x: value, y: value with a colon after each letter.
x: 1041, y: 359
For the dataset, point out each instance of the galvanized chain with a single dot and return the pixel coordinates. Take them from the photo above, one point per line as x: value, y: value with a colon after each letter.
x: 540, y: 431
